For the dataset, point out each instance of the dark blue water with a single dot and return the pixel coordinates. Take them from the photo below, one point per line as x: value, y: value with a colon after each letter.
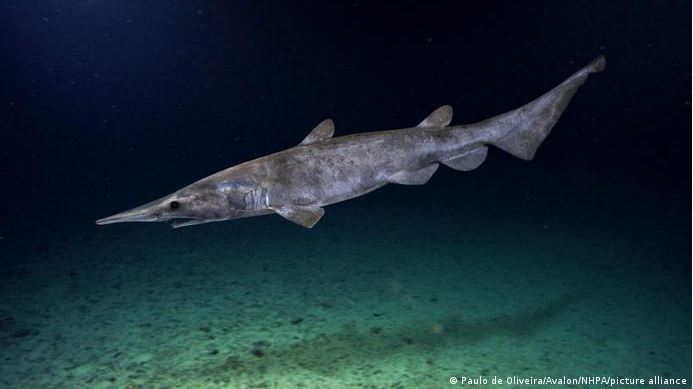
x: 576, y: 263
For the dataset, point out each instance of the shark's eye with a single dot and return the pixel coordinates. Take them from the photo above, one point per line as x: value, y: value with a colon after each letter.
x: 174, y: 204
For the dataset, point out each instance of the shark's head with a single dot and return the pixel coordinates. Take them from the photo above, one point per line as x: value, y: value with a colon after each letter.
x: 195, y: 204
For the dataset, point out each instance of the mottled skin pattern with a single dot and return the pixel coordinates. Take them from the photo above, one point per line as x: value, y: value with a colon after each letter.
x: 323, y: 170
x: 341, y: 168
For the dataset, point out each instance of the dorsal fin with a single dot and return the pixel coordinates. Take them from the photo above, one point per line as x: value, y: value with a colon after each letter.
x: 439, y: 118
x: 322, y: 131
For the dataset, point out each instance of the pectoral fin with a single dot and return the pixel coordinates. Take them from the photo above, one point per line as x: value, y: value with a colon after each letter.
x: 302, y: 215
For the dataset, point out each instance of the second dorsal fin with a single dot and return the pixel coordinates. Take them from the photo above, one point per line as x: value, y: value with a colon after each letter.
x: 439, y: 118
x: 322, y: 131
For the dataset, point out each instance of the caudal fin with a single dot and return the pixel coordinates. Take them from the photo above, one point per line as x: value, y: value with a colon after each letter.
x: 520, y: 132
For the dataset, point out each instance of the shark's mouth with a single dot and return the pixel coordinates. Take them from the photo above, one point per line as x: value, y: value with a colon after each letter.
x: 176, y: 222
x: 184, y: 222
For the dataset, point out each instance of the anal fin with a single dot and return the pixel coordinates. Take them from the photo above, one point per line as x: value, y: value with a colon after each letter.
x: 302, y: 215
x: 415, y: 177
x: 469, y: 160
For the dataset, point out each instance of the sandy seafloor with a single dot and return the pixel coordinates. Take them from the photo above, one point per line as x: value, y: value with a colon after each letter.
x: 403, y: 288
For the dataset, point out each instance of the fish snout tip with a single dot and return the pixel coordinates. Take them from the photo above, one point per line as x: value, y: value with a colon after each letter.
x: 105, y: 220
x: 140, y: 214
x: 127, y: 216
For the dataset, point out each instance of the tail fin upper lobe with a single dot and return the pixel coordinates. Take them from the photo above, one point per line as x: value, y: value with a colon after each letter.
x: 520, y: 132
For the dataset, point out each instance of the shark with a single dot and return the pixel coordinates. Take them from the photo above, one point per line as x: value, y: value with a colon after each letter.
x: 298, y: 182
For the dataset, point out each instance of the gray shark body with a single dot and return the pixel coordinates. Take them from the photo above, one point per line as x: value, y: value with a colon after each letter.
x: 298, y: 182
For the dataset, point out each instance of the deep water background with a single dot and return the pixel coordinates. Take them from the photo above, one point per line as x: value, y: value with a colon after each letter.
x: 108, y: 105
